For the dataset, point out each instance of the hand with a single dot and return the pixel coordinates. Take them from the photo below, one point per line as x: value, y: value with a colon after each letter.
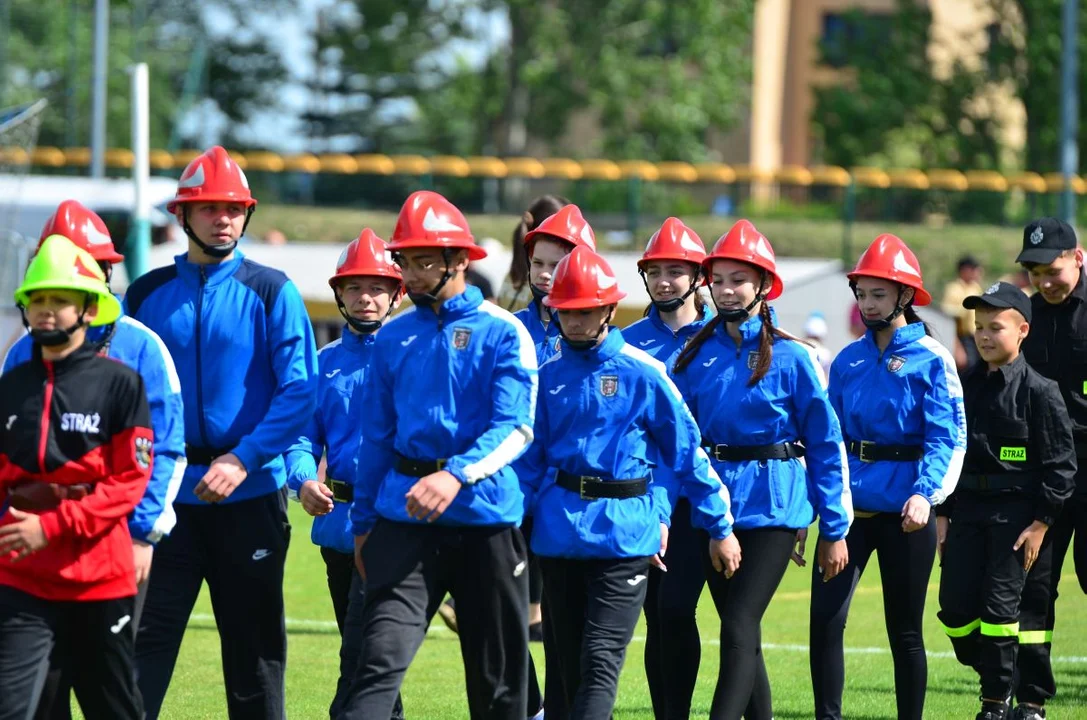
x: 360, y: 540
x: 915, y: 513
x: 657, y: 560
x: 801, y: 544
x: 1031, y: 541
x: 23, y: 537
x: 725, y: 555
x: 141, y: 558
x: 316, y: 498
x: 223, y: 477
x: 432, y: 495
x: 833, y: 556
x: 942, y: 525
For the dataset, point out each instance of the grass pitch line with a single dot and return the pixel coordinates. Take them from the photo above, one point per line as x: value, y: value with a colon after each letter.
x: 202, y: 620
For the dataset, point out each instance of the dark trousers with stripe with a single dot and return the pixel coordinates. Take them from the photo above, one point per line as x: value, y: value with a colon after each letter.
x: 409, y: 570
x: 240, y: 549
x: 593, y: 606
x: 94, y: 637
x: 981, y: 584
x: 1037, y: 611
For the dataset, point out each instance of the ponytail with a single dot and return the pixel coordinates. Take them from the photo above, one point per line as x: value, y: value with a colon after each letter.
x: 687, y: 354
x: 519, y: 262
x: 912, y: 317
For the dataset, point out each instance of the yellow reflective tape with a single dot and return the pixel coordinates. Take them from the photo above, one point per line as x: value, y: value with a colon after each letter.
x: 1008, y: 630
x: 1035, y: 637
x: 961, y: 631
x: 1013, y: 454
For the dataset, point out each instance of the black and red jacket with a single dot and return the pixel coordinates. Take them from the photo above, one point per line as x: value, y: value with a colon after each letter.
x: 76, y: 431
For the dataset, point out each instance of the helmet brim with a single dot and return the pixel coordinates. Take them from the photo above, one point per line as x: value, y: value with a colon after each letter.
x: 173, y: 206
x: 475, y: 252
x: 109, y: 307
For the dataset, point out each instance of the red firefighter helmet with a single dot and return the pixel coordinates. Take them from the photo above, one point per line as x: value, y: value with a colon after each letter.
x: 84, y: 228
x: 889, y: 258
x: 747, y: 245
x: 583, y: 280
x: 428, y: 220
x: 568, y: 226
x: 674, y: 241
x: 212, y: 177
x: 365, y: 256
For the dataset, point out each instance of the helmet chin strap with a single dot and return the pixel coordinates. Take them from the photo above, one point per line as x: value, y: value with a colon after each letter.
x: 55, y: 337
x: 592, y: 342
x: 431, y: 297
x: 215, y: 251
x: 365, y: 327
x: 537, y: 294
x: 884, y: 322
x: 670, y: 306
x: 744, y: 312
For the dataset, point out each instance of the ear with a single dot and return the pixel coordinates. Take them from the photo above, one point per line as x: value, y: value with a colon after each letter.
x: 907, y: 294
x: 460, y: 261
x: 1079, y: 257
x: 92, y: 310
x: 1024, y: 330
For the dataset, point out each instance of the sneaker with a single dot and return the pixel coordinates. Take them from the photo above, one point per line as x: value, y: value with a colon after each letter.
x: 1027, y: 712
x: 448, y: 616
x: 992, y: 711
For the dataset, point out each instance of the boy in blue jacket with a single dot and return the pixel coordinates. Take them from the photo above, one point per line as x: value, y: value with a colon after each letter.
x: 449, y: 402
x: 606, y: 412
x: 367, y: 286
x: 248, y: 364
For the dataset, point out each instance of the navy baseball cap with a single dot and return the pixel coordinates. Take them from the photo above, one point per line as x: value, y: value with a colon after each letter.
x: 1044, y: 240
x: 1001, y: 295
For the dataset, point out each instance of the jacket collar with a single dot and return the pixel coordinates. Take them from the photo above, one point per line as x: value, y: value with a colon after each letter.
x: 612, y: 346
x: 455, y: 307
x: 905, y: 335
x: 749, y: 329
x: 79, y: 357
x: 215, y: 274
x: 356, y: 343
x: 657, y: 322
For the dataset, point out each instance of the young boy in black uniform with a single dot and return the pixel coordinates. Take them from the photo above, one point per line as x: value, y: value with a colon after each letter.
x: 1019, y: 469
x: 1057, y: 349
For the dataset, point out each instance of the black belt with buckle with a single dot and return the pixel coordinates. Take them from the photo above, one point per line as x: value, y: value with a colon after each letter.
x: 418, y: 468
x: 996, y: 481
x: 589, y: 487
x: 341, y: 492
x: 871, y: 452
x: 740, y: 453
x: 203, y: 456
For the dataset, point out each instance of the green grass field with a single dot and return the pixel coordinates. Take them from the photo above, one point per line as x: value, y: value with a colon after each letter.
x: 435, y: 689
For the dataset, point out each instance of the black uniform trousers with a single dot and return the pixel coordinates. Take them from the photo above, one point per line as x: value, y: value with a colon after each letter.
x: 346, y: 590
x: 905, y: 566
x: 553, y: 698
x: 95, y: 637
x: 240, y: 549
x: 981, y: 583
x: 1037, y: 610
x: 593, y: 606
x: 409, y: 570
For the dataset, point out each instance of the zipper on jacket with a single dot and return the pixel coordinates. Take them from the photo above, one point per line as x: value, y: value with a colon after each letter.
x: 47, y: 408
x: 199, y: 362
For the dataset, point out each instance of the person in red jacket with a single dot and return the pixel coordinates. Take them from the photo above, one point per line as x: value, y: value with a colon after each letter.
x: 75, y: 457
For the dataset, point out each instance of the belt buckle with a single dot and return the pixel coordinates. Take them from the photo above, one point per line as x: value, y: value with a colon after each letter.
x: 865, y: 444
x: 581, y: 486
x: 717, y: 451
x: 440, y: 464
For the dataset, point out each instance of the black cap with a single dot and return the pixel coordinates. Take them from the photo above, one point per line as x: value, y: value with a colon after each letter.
x: 1044, y: 240
x: 1001, y: 295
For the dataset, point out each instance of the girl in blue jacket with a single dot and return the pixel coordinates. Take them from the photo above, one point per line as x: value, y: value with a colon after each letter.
x: 671, y: 269
x: 367, y: 286
x: 897, y: 394
x: 604, y: 413
x: 760, y: 399
x: 552, y: 240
